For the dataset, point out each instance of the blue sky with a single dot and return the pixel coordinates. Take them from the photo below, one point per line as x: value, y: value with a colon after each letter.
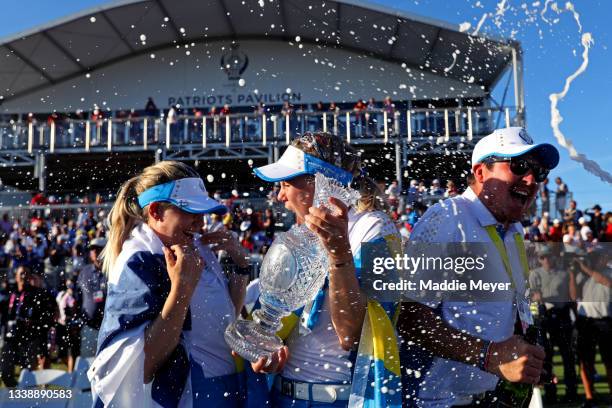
x: 552, y: 52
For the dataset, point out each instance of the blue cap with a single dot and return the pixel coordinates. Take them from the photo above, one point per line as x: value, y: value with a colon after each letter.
x: 188, y: 194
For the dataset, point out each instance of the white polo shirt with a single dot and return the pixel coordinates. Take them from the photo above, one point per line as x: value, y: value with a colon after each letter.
x: 596, y: 299
x: 441, y: 382
x: 317, y: 356
x: 212, y: 310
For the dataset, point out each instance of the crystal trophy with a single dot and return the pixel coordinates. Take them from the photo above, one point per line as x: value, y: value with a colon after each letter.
x: 292, y: 272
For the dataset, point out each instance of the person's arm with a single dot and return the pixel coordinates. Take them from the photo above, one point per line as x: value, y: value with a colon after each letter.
x: 347, y: 302
x: 237, y: 290
x: 266, y: 222
x: 162, y: 335
x: 513, y: 359
x: 573, y: 287
x: 535, y: 286
x: 598, y: 276
x: 225, y: 240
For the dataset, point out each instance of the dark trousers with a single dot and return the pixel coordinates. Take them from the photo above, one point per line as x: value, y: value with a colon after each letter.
x: 558, y: 328
x: 23, y: 353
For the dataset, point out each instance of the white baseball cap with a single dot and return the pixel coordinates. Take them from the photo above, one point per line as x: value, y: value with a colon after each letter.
x: 294, y: 162
x: 98, y: 243
x: 188, y: 194
x: 513, y: 142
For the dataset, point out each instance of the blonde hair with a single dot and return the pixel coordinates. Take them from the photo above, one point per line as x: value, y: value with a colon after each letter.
x: 336, y: 151
x: 126, y: 213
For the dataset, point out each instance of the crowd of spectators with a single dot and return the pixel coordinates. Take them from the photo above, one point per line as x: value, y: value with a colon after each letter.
x: 52, y: 290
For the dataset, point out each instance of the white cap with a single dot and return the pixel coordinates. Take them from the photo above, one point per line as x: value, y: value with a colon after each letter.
x: 584, y: 231
x: 513, y: 142
x: 98, y: 243
x: 294, y: 162
x: 188, y: 194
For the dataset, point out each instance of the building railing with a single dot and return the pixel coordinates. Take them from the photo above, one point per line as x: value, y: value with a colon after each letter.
x: 254, y: 129
x: 25, y: 212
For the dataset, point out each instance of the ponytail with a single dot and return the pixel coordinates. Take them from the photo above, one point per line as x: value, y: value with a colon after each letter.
x: 126, y: 213
x: 123, y: 217
x: 372, y: 197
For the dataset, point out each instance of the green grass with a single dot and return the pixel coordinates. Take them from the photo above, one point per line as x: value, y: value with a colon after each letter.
x: 601, y: 387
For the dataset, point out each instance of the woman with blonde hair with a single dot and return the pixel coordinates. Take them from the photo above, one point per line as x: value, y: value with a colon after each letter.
x: 161, y: 341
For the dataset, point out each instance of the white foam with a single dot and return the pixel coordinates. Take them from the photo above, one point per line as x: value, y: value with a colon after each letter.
x: 556, y: 118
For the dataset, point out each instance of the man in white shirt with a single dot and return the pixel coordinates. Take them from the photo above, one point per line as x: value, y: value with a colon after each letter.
x: 593, y: 288
x: 478, y: 346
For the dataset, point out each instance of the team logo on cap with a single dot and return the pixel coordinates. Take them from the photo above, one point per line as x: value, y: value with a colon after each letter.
x: 525, y: 137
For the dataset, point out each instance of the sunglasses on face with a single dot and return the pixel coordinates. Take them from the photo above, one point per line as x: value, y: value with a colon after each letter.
x: 520, y: 166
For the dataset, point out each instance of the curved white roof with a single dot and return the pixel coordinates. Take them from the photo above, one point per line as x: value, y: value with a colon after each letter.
x: 101, y: 36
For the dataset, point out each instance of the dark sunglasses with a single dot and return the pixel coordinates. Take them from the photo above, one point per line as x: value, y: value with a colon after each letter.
x: 520, y: 166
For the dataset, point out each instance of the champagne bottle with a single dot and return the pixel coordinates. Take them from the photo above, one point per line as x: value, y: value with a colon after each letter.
x: 518, y: 395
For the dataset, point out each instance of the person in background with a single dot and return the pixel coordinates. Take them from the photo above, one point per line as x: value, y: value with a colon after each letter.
x: 68, y: 329
x: 91, y: 287
x: 533, y: 232
x: 393, y: 193
x: 451, y: 189
x: 413, y: 216
x: 555, y: 233
x: 371, y: 117
x: 333, y: 108
x: 544, y: 227
x: 272, y: 195
x: 151, y: 108
x: 413, y: 193
x: 358, y: 111
x: 550, y: 289
x: 572, y: 213
x: 571, y: 237
x: 27, y: 315
x: 560, y: 196
x: 55, y: 264
x: 6, y: 227
x: 269, y: 225
x: 592, y: 288
x: 544, y: 194
x: 435, y: 190
x: 597, y: 221
x: 608, y: 229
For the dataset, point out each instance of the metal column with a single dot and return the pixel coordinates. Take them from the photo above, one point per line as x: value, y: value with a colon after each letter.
x: 398, y: 164
x: 41, y: 172
x: 519, y: 88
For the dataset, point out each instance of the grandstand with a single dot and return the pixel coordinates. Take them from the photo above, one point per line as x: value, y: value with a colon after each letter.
x: 74, y: 91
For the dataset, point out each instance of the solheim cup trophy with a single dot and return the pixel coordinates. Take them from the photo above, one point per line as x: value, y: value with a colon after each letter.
x: 292, y: 272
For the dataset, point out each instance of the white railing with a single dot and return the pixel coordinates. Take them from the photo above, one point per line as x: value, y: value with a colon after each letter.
x: 257, y: 129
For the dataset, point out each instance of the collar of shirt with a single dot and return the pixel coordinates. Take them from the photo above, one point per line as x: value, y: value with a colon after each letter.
x: 484, y: 216
x: 148, y: 238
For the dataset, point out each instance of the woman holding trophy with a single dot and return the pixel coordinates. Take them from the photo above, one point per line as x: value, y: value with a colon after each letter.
x: 161, y: 342
x: 329, y: 358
